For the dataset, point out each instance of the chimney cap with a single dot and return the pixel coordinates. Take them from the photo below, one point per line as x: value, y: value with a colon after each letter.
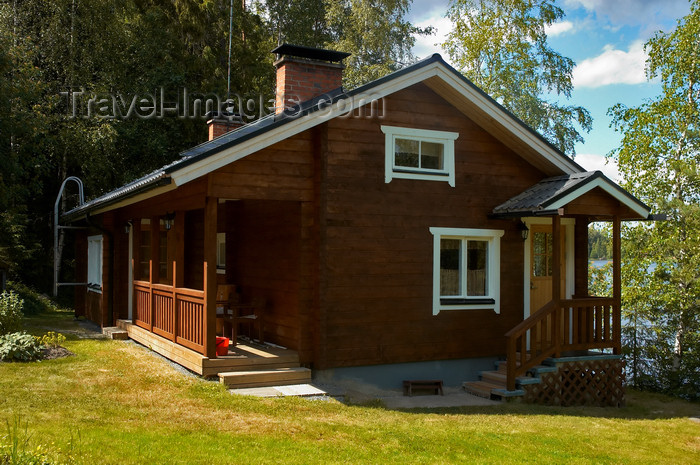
x: 223, y: 115
x: 310, y: 53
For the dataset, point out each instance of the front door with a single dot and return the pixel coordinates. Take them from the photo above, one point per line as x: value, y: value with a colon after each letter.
x: 541, y: 262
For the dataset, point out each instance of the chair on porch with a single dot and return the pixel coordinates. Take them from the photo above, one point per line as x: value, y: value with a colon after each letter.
x: 224, y: 296
x: 236, y: 312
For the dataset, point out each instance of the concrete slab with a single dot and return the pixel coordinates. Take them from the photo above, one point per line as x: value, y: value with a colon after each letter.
x: 297, y: 390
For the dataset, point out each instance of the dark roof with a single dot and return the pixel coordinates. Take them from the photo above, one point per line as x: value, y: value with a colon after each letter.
x: 310, y: 52
x: 263, y: 125
x: 540, y: 198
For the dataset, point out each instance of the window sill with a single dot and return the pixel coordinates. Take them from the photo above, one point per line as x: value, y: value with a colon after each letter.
x: 471, y: 302
x: 94, y: 288
x: 468, y: 304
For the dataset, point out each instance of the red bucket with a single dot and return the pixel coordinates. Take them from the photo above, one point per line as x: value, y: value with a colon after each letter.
x: 222, y: 345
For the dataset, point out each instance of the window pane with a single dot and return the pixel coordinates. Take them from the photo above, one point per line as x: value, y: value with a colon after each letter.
x: 431, y: 155
x: 477, y: 256
x: 540, y: 265
x: 406, y: 153
x: 539, y: 241
x: 450, y: 251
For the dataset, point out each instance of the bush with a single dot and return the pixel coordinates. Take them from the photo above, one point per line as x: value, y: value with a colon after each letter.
x: 10, y: 312
x: 19, y: 347
x: 34, y: 302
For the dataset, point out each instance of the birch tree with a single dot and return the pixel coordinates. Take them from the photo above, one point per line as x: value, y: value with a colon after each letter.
x: 658, y: 158
x: 501, y: 46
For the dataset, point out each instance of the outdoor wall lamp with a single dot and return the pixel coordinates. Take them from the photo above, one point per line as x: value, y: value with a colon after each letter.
x: 169, y: 217
x: 524, y: 230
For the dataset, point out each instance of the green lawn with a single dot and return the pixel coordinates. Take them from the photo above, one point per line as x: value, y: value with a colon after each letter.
x: 116, y: 403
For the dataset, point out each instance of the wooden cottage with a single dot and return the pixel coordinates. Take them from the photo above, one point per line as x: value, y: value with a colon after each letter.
x: 411, y: 228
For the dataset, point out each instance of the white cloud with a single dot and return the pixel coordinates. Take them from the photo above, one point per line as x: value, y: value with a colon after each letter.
x: 650, y: 15
x: 612, y: 67
x: 427, y: 45
x: 594, y: 162
x: 559, y: 28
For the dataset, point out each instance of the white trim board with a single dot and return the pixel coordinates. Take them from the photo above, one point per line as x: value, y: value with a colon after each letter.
x: 609, y: 188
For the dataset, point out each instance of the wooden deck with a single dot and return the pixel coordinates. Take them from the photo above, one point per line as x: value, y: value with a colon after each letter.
x: 240, y: 358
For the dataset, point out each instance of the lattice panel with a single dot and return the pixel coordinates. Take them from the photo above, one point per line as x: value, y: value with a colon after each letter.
x: 587, y: 382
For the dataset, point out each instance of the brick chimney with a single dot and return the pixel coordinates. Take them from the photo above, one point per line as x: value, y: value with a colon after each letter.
x: 222, y: 122
x: 304, y: 73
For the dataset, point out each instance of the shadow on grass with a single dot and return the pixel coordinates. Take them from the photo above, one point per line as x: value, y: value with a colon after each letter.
x: 62, y: 321
x: 640, y: 405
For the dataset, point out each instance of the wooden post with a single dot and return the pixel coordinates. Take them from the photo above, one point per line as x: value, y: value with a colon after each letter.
x: 581, y: 257
x: 178, y: 265
x: 510, y: 364
x: 556, y: 284
x: 180, y: 247
x: 154, y: 274
x: 617, y: 286
x: 174, y: 337
x: 135, y: 265
x: 210, y: 223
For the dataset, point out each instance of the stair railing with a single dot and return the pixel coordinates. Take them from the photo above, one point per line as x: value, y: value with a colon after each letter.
x: 567, y: 325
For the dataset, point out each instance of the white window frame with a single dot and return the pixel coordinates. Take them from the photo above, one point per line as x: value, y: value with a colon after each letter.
x: 493, y: 237
x: 447, y: 139
x: 94, y: 256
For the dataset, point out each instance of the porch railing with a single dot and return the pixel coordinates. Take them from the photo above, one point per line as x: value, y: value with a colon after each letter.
x: 174, y: 313
x: 567, y: 325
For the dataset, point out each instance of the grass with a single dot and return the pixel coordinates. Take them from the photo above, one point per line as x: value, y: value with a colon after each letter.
x: 116, y: 403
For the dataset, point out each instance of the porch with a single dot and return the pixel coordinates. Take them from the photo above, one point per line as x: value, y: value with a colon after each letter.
x: 245, y: 365
x: 179, y: 262
x: 572, y: 327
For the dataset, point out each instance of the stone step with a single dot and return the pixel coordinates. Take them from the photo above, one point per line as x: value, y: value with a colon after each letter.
x: 261, y: 378
x: 114, y: 332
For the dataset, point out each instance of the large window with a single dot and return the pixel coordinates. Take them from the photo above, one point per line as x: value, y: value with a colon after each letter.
x: 94, y: 276
x: 419, y: 154
x: 466, y: 269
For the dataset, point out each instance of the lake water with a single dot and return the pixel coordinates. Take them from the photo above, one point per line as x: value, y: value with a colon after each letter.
x: 599, y: 263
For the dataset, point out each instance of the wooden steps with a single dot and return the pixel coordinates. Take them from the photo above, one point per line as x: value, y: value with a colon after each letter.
x: 481, y: 388
x: 267, y: 377
x: 493, y: 384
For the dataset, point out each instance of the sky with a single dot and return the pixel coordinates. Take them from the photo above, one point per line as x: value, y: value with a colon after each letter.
x: 605, y: 38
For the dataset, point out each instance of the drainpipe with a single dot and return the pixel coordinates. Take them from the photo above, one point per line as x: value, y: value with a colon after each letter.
x: 110, y: 271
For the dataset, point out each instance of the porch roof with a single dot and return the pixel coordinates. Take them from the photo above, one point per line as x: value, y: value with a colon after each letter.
x: 549, y: 195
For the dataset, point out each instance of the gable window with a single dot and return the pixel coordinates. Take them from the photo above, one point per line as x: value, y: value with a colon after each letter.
x: 419, y: 154
x: 466, y: 269
x: 94, y: 277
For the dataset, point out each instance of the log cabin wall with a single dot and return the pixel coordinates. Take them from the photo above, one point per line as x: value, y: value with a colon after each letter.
x: 378, y: 255
x: 80, y: 273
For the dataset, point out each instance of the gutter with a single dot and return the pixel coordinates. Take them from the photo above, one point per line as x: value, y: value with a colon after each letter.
x: 84, y: 211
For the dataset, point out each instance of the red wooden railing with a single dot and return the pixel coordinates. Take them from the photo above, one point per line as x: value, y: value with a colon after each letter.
x: 567, y: 325
x: 175, y: 313
x: 172, y: 312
